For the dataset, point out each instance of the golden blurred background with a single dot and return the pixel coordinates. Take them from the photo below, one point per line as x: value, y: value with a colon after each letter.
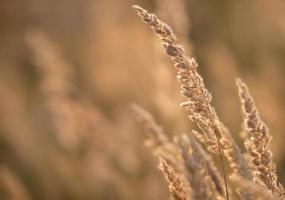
x: 69, y: 70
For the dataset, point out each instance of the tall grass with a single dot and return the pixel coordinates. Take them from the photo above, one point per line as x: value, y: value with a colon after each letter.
x: 69, y: 70
x: 213, y: 135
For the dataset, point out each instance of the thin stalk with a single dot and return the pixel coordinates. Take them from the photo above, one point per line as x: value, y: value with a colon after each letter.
x: 224, y: 172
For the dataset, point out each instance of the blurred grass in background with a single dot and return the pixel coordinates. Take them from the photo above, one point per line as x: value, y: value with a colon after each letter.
x: 76, y: 139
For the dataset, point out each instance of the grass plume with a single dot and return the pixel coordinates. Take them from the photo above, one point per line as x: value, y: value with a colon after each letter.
x: 257, y: 143
x: 212, y: 133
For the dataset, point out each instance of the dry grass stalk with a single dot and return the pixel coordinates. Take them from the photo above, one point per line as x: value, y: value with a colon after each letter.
x: 198, y: 98
x: 158, y: 140
x: 234, y: 155
x: 192, y: 88
x: 192, y: 168
x: 257, y: 143
x: 193, y: 163
x: 196, y: 171
x: 237, y: 163
x: 213, y: 134
x: 157, y: 137
x: 197, y: 153
x: 192, y: 85
x: 166, y: 151
x: 175, y: 184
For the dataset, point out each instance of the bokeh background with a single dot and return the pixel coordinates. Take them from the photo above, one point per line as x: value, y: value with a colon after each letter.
x: 69, y: 70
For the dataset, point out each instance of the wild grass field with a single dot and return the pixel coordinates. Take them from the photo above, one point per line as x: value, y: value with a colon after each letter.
x: 146, y: 99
